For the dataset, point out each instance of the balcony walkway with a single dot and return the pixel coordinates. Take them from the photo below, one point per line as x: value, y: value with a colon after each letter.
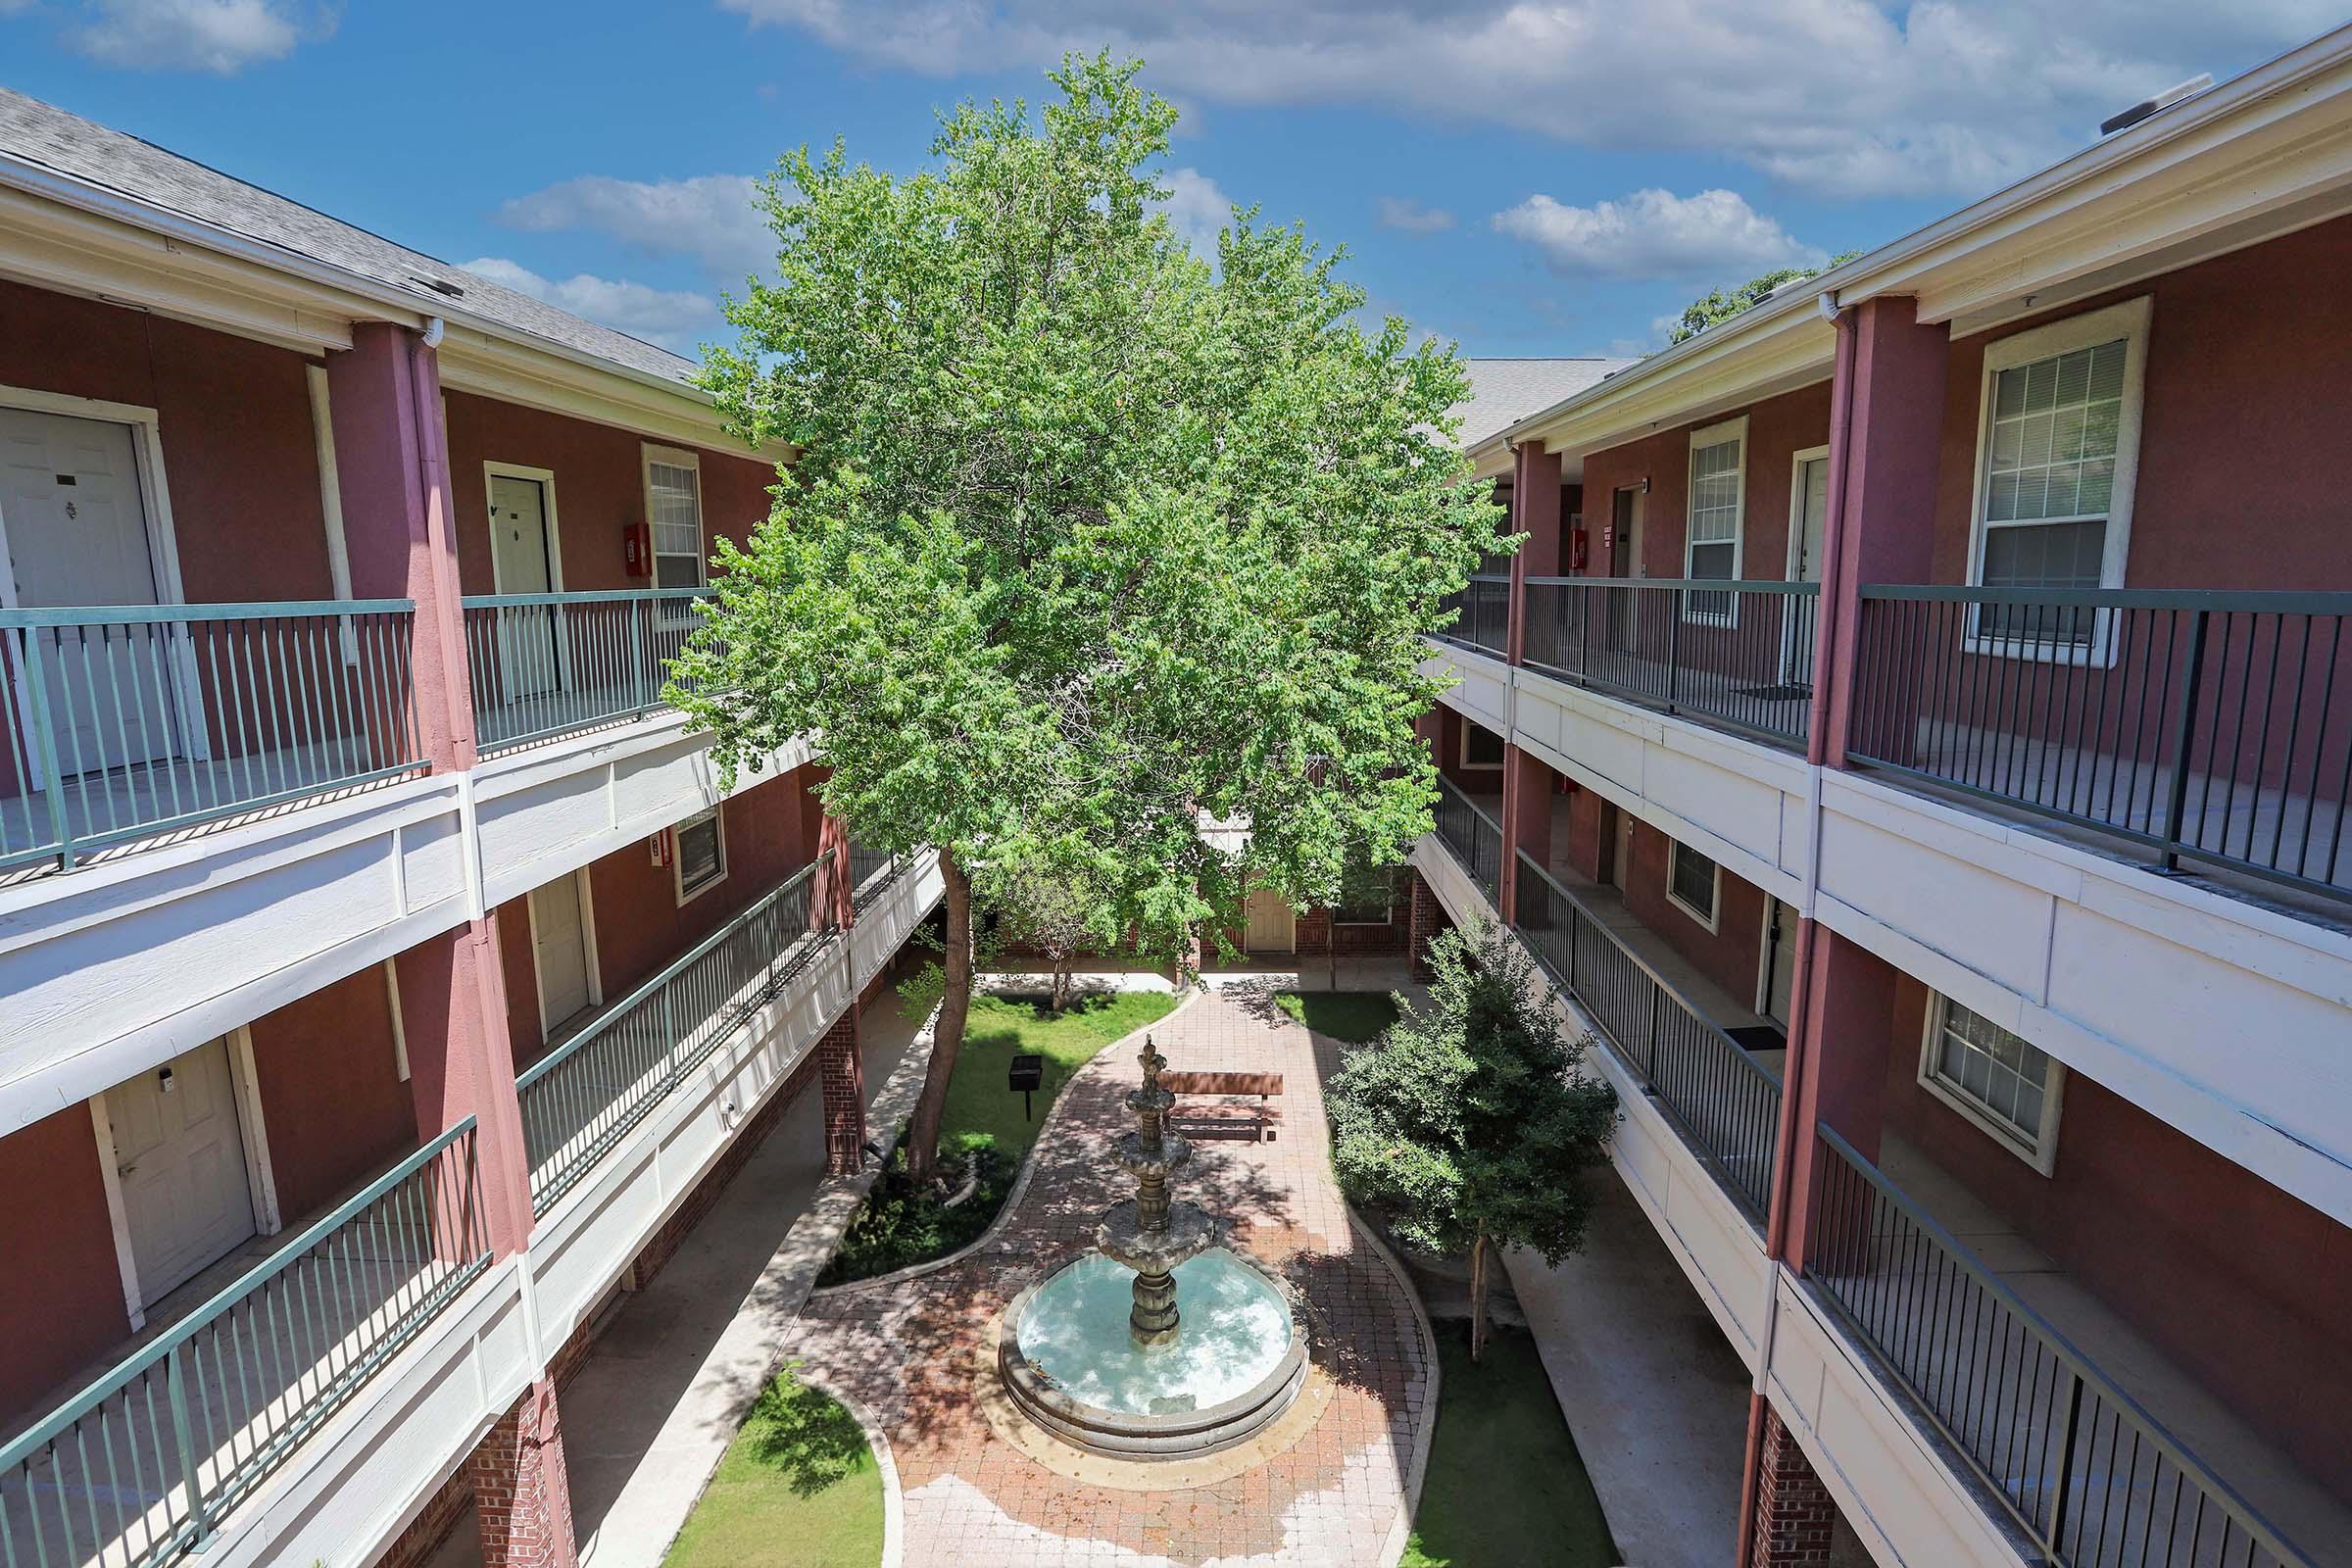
x: 660, y: 1396
x: 2265, y: 1476
x: 296, y: 1361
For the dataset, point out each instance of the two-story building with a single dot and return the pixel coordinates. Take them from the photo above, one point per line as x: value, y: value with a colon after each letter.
x: 1917, y: 738
x: 383, y: 968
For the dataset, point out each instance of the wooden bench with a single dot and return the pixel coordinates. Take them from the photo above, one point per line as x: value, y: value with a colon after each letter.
x: 1262, y: 1086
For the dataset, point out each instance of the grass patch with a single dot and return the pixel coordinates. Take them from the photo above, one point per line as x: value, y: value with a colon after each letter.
x: 798, y: 1488
x: 983, y: 1134
x: 1355, y: 1016
x: 1497, y: 1417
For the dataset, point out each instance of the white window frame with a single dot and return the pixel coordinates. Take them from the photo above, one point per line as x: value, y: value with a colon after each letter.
x: 2128, y: 321
x: 2043, y: 1152
x: 1494, y: 766
x: 1711, y: 917
x: 650, y: 454
x: 1715, y: 435
x: 677, y: 854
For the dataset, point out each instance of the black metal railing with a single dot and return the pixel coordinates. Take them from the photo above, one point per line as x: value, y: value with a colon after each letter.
x: 1483, y: 615
x: 1726, y: 1101
x: 1474, y: 838
x: 871, y: 874
x: 2093, y: 1477
x: 2214, y: 727
x: 1738, y: 653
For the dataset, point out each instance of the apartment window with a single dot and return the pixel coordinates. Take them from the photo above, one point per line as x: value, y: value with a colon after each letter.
x: 701, y: 842
x: 1368, y: 895
x: 1481, y: 746
x: 674, y: 510
x: 2057, y: 451
x: 1693, y: 882
x: 1995, y: 1079
x: 1711, y: 541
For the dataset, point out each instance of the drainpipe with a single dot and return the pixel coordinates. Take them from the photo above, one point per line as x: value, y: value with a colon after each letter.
x: 1793, y: 1064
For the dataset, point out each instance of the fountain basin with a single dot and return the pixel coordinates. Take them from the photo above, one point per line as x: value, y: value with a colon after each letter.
x: 1071, y: 1367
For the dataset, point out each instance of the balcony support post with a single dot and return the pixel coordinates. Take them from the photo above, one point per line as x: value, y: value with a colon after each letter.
x: 1526, y: 820
x: 1534, y: 512
x: 453, y: 1008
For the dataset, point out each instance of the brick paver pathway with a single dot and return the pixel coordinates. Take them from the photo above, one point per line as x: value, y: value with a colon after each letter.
x: 907, y: 1350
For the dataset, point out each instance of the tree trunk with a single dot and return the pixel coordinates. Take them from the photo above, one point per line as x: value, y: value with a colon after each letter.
x: 947, y: 1039
x: 1061, y: 984
x: 1478, y: 1295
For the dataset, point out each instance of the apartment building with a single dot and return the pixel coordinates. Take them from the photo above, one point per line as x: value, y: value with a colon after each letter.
x: 385, y: 974
x: 1915, y: 738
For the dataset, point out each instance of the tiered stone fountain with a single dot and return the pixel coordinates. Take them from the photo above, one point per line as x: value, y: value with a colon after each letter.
x: 1171, y: 1379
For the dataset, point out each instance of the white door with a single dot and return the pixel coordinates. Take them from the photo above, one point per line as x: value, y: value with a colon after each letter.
x: 1271, y: 925
x: 529, y: 655
x: 181, y: 1159
x: 1780, y: 960
x: 76, y: 534
x: 559, y: 945
x: 1812, y: 493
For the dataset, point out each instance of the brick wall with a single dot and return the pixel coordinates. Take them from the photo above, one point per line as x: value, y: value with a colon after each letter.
x: 1795, y: 1516
x: 521, y: 1489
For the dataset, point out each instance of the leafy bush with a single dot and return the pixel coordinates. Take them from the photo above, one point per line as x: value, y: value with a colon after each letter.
x: 904, y: 1222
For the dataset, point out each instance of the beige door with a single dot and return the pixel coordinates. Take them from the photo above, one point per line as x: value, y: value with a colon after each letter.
x: 1812, y: 493
x: 1271, y: 925
x: 529, y: 634
x: 560, y: 947
x: 76, y: 530
x: 1780, y: 961
x: 180, y: 1156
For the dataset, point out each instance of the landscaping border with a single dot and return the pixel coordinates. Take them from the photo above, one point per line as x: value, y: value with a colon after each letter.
x: 894, y: 1504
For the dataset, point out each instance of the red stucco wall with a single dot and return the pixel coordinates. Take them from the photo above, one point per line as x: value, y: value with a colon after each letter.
x: 2244, y: 1288
x: 54, y: 1228
x: 1777, y: 429
x: 1727, y: 956
x: 332, y: 1099
x: 235, y: 421
x: 599, y: 485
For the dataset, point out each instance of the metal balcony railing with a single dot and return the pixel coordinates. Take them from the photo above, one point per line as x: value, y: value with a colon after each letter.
x: 2213, y: 727
x: 139, y: 1468
x: 2093, y: 1477
x: 1738, y: 653
x: 546, y: 665
x: 1727, y: 1104
x: 871, y: 874
x: 123, y: 722
x: 1474, y: 838
x: 583, y: 1099
x: 1482, y: 616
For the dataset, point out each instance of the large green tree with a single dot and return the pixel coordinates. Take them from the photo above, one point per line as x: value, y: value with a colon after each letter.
x: 1467, y: 1125
x: 1722, y: 304
x: 1090, y: 542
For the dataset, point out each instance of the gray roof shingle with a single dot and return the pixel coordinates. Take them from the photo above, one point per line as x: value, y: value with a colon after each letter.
x: 69, y: 145
x: 1502, y: 392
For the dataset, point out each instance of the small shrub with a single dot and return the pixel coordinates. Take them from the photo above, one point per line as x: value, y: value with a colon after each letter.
x: 904, y: 1222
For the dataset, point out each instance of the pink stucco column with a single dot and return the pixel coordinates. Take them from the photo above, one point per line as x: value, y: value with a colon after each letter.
x: 1534, y: 512
x: 833, y: 899
x: 400, y: 534
x: 1526, y: 820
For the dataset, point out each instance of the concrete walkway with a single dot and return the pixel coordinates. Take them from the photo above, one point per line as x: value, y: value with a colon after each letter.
x: 665, y: 1385
x: 1655, y: 1395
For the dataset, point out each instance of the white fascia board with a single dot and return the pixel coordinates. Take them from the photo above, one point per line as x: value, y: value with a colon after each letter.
x: 2258, y: 156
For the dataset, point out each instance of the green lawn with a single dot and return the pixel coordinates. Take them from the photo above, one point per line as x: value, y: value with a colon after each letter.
x: 798, y: 1489
x: 998, y: 1030
x: 1498, y: 1419
x: 1355, y: 1016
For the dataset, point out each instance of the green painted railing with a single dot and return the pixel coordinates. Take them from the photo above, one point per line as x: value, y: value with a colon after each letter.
x: 139, y: 1468
x: 872, y: 871
x: 583, y: 1099
x: 546, y: 665
x: 122, y: 722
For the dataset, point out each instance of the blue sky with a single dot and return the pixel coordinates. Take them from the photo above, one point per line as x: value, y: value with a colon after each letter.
x: 1528, y: 179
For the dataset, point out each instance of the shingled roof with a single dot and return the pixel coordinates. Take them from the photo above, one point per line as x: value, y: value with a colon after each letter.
x: 1502, y: 392
x: 65, y: 144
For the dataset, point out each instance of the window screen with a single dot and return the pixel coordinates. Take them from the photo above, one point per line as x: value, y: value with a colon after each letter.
x: 702, y: 854
x: 1713, y: 547
x: 1994, y: 1070
x: 2049, y: 480
x: 675, y: 505
x: 1692, y: 881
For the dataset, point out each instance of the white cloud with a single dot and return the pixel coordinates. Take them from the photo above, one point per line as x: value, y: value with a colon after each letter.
x: 1842, y: 97
x: 1197, y: 210
x: 1655, y: 233
x: 675, y: 318
x: 223, y: 37
x: 1407, y: 214
x: 710, y: 218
